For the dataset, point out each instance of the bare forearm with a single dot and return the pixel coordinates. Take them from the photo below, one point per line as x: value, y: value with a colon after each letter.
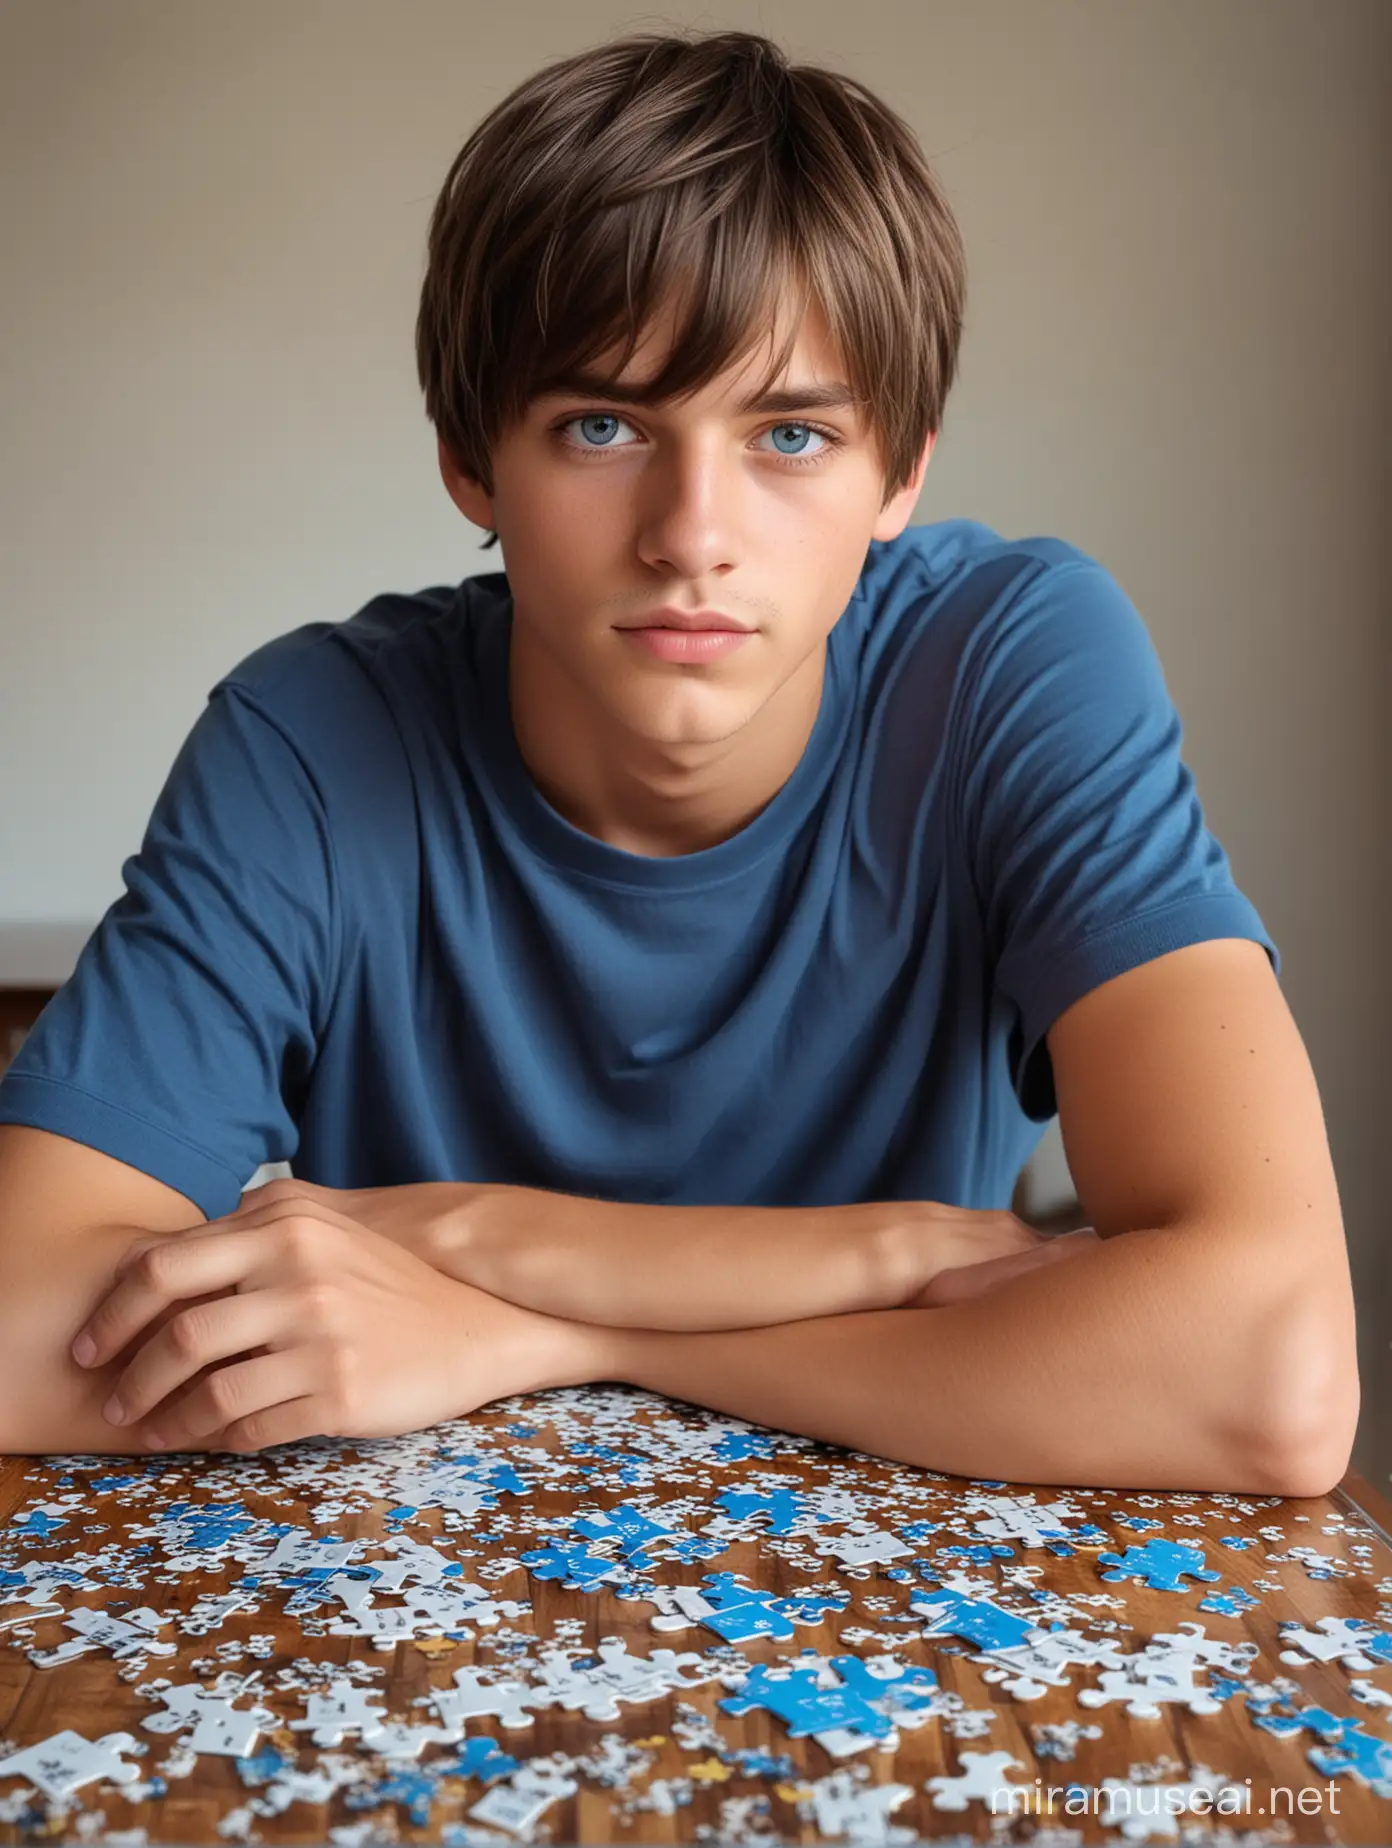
x: 628, y: 1265
x: 1145, y: 1363
x: 48, y: 1404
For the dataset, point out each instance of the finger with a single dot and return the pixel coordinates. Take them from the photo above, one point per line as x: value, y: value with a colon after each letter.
x: 287, y: 1423
x: 242, y: 1390
x: 964, y: 1280
x: 163, y: 1274
x: 283, y: 1188
x: 197, y: 1336
x: 321, y: 1211
x: 973, y: 1279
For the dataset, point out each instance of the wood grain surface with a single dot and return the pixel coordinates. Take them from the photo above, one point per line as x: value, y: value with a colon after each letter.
x: 485, y: 1490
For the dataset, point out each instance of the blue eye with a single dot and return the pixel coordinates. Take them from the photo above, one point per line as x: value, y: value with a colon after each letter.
x: 831, y: 441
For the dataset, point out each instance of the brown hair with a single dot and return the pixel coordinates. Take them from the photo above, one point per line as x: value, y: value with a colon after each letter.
x: 610, y: 181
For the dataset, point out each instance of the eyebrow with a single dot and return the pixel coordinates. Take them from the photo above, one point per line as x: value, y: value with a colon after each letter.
x: 833, y: 396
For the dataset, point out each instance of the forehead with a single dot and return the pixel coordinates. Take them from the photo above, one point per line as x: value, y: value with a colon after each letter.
x: 815, y: 377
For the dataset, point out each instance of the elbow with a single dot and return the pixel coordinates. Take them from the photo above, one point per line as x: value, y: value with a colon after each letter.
x: 1305, y: 1431
x: 1315, y: 1461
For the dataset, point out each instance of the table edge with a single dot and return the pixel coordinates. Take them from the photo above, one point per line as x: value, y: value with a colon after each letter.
x: 1356, y: 1491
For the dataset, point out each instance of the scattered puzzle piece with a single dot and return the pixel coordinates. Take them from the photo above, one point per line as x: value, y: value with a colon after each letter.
x: 64, y: 1762
x: 982, y: 1780
x: 1162, y: 1565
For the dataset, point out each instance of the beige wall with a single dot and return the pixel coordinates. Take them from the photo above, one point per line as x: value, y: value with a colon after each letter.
x: 1177, y: 357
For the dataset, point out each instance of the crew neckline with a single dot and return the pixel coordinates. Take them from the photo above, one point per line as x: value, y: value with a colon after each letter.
x: 561, y: 843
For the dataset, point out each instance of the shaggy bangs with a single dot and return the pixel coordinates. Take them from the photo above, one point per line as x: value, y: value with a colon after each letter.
x: 703, y: 172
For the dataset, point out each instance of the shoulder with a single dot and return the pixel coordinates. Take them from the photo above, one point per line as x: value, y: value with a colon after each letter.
x: 390, y: 633
x: 334, y: 689
x: 978, y: 568
x: 957, y: 604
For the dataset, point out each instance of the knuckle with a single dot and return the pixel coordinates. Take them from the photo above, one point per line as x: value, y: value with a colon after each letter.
x: 152, y: 1266
x: 104, y: 1321
x: 343, y: 1383
x: 187, y: 1332
x: 318, y: 1302
x: 222, y: 1394
x: 247, y: 1434
x: 300, y: 1240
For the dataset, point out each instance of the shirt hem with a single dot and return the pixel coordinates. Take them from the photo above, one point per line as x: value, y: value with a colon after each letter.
x: 65, y: 1109
x: 1114, y: 951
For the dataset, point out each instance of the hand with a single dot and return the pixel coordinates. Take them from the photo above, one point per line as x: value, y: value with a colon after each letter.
x: 957, y: 1284
x: 311, y: 1324
x: 934, y: 1238
x: 414, y: 1215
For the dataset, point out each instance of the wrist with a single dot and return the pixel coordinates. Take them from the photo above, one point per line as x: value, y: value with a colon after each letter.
x: 568, y: 1353
x: 909, y: 1249
x: 461, y: 1239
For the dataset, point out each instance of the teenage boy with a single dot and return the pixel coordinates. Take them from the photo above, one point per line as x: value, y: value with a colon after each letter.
x: 661, y: 958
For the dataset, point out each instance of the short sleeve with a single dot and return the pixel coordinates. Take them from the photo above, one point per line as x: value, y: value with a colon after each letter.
x: 185, y: 1039
x: 1087, y: 842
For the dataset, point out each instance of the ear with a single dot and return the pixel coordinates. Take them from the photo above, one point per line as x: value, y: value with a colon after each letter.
x: 894, y: 515
x: 463, y: 490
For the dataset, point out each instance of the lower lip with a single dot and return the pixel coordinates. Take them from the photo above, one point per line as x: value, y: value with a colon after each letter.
x: 689, y: 644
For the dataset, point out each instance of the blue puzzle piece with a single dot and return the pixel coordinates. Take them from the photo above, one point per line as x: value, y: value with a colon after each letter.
x: 975, y: 1620
x: 918, y: 1531
x: 416, y: 1790
x: 576, y: 1566
x: 1308, y: 1719
x: 743, y: 1611
x: 916, y: 1687
x: 504, y: 1479
x: 628, y: 1525
x: 1369, y: 1759
x: 754, y: 1761
x: 811, y: 1606
x: 980, y: 1553
x: 477, y: 1757
x: 1162, y: 1565
x: 691, y: 1549
x: 1238, y: 1542
x: 782, y: 1507
x: 208, y: 1524
x: 736, y: 1445
x: 264, y: 1764
x: 635, y: 1533
x: 36, y: 1525
x: 1229, y: 1603
x: 804, y: 1707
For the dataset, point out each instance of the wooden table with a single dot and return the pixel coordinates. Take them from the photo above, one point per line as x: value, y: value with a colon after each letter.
x: 190, y: 1538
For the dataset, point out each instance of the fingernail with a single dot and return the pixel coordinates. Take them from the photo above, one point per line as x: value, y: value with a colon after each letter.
x: 153, y: 1441
x: 113, y: 1411
x: 84, y: 1350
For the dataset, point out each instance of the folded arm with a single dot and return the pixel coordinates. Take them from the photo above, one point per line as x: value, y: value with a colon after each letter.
x: 627, y: 1264
x: 1206, y: 1341
x: 1152, y: 1360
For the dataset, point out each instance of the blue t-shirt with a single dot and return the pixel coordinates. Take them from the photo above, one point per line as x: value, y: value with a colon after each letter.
x: 358, y: 939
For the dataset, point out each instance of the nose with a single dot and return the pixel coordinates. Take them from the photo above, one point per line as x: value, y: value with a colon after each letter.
x: 690, y: 513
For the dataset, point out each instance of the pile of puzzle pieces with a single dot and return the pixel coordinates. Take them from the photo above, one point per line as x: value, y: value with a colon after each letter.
x: 608, y: 1490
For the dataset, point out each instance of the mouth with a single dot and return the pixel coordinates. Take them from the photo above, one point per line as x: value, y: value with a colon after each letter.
x: 689, y: 645
x: 700, y: 622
